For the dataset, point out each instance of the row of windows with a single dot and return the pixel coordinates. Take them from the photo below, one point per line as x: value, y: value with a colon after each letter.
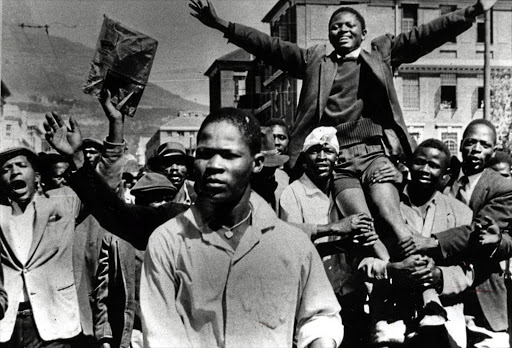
x: 448, y: 135
x: 448, y: 95
x: 410, y: 20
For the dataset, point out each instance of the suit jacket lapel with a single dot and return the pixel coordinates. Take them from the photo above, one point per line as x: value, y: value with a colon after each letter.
x: 328, y: 70
x: 375, y: 66
x: 5, y: 216
x: 41, y: 214
x: 480, y: 192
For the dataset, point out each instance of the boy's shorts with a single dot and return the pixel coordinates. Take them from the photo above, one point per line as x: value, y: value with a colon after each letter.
x: 356, y: 164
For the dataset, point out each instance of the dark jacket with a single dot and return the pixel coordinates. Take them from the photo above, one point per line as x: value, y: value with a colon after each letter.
x: 133, y: 223
x: 317, y: 69
x: 115, y: 303
x: 491, y: 197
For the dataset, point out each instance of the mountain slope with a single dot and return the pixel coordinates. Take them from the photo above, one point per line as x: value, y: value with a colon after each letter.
x: 46, y: 73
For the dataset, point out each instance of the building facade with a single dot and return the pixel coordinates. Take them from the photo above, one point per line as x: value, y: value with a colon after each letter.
x: 236, y: 81
x: 182, y: 129
x: 20, y: 128
x: 440, y: 93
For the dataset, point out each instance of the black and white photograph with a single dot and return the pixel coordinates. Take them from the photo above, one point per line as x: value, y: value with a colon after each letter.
x: 256, y: 173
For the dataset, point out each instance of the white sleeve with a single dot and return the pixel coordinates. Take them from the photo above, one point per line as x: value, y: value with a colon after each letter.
x: 318, y: 315
x: 161, y: 323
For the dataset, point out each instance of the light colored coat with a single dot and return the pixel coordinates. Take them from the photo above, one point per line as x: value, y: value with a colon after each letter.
x: 48, y: 273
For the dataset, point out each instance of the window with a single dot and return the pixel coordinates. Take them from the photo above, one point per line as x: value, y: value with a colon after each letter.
x: 411, y: 91
x: 8, y: 129
x: 448, y: 91
x: 240, y: 86
x: 481, y: 97
x: 181, y: 133
x: 480, y: 28
x: 409, y: 17
x: 450, y: 139
x: 445, y: 9
x: 416, y: 131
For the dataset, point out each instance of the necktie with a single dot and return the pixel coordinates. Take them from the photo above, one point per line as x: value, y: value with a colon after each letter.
x: 461, y: 192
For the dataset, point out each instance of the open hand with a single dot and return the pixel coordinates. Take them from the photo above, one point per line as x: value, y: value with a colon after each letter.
x: 356, y: 223
x: 205, y: 13
x: 67, y: 141
x: 387, y: 173
x: 488, y: 235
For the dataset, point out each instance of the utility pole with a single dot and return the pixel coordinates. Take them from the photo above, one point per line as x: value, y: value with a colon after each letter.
x: 487, y: 66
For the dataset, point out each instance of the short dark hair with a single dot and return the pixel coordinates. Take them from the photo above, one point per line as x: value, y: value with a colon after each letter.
x: 246, y: 123
x: 356, y: 13
x: 435, y: 144
x: 277, y: 122
x: 499, y: 157
x: 478, y: 122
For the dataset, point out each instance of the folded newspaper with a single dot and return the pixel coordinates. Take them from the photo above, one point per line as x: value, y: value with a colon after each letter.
x: 121, y: 64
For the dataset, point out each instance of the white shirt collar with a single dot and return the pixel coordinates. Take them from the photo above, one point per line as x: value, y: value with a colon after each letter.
x: 353, y: 54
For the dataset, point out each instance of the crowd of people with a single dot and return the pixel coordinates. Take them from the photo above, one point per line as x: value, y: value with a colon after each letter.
x: 338, y: 230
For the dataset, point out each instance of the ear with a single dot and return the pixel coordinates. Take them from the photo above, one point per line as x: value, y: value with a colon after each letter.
x: 363, y: 36
x: 445, y: 179
x: 257, y: 163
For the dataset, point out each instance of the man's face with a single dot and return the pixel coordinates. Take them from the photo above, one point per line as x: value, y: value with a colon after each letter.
x: 503, y: 168
x: 19, y: 179
x: 346, y: 33
x: 429, y: 166
x: 477, y: 148
x: 57, y: 171
x: 175, y: 169
x: 320, y: 161
x: 223, y: 163
x: 93, y: 155
x: 281, y: 139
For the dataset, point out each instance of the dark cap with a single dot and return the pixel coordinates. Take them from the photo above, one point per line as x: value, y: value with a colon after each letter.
x: 167, y: 151
x: 91, y: 142
x: 171, y: 148
x: 152, y: 182
x: 12, y: 152
x: 51, y: 157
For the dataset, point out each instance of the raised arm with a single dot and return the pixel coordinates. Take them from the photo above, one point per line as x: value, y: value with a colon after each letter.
x: 132, y: 223
x: 207, y: 15
x: 408, y: 47
x: 113, y: 160
x: 282, y: 54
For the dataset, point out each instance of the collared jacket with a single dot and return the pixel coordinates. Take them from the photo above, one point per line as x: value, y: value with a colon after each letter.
x: 48, y: 272
x: 491, y: 197
x: 317, y: 68
x: 89, y: 234
x: 115, y: 303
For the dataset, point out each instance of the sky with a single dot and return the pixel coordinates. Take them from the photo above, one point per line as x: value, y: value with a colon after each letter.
x: 186, y: 47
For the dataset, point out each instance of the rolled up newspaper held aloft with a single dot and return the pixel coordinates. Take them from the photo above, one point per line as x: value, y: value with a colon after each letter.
x: 121, y: 64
